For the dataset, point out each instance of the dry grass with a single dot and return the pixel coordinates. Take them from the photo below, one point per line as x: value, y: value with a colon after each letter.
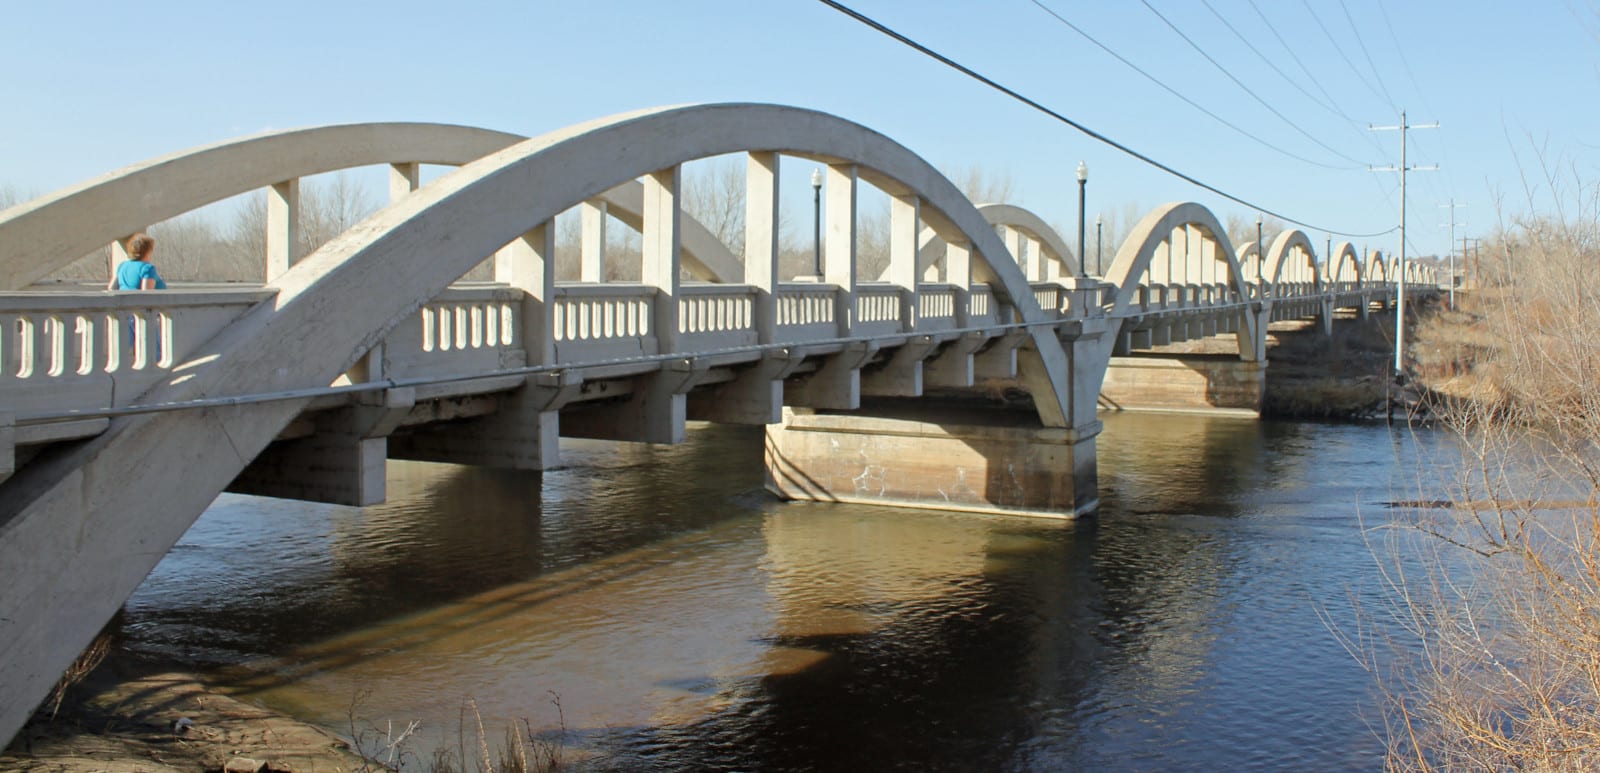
x: 521, y: 749
x: 1502, y: 592
x: 85, y: 664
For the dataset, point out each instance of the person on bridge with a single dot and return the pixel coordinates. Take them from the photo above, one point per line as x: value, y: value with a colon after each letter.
x: 137, y: 272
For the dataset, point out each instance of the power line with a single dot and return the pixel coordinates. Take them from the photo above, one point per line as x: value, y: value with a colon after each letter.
x: 1340, y: 51
x: 1268, y: 61
x: 1176, y: 93
x: 1401, y: 50
x: 1302, y: 65
x: 1257, y: 97
x: 1364, y: 52
x: 1331, y: 108
x: 985, y: 80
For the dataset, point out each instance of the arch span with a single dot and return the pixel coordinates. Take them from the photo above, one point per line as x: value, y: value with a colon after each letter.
x: 1292, y: 259
x: 1344, y: 266
x: 1150, y: 261
x: 62, y: 514
x: 1155, y: 234
x: 1377, y: 267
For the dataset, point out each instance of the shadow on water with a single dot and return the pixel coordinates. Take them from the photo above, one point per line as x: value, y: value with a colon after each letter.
x: 903, y: 650
x: 283, y: 574
x: 689, y: 622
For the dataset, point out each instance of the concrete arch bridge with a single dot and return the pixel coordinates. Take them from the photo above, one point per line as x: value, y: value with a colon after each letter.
x: 123, y: 415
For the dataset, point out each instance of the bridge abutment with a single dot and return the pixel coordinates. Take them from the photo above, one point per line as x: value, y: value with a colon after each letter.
x: 970, y: 461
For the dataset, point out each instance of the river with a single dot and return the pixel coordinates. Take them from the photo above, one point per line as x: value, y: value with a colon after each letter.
x: 654, y: 608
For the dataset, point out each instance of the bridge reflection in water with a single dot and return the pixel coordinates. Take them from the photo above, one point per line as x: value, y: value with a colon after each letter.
x: 694, y: 625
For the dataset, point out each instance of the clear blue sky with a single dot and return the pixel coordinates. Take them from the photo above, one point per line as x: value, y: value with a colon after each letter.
x: 90, y: 87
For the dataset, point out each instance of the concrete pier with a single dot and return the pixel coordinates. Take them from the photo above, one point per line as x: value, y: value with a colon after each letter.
x: 991, y: 462
x: 1184, y: 382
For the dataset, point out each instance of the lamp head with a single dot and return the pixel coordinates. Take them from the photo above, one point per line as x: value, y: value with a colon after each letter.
x: 816, y: 178
x: 1083, y: 172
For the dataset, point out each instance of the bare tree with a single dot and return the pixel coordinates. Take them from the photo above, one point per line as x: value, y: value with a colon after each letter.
x: 327, y: 209
x: 1242, y: 229
x: 190, y: 248
x: 714, y: 194
x: 982, y: 186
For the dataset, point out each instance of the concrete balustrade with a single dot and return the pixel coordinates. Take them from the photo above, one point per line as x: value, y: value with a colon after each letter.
x: 878, y: 311
x: 983, y: 310
x: 712, y: 317
x: 806, y: 312
x: 87, y: 351
x: 937, y: 307
x: 462, y: 330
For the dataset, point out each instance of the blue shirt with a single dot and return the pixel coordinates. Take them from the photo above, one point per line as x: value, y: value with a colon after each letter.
x: 132, y: 273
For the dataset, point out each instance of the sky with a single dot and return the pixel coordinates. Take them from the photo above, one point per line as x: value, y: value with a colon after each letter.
x: 94, y: 86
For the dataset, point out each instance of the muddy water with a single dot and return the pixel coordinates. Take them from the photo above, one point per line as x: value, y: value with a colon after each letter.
x: 654, y: 608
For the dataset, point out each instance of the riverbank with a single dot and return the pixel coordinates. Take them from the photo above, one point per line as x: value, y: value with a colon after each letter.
x: 1314, y: 376
x: 133, y: 716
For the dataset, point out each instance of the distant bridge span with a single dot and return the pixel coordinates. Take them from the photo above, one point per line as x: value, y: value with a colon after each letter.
x: 124, y: 415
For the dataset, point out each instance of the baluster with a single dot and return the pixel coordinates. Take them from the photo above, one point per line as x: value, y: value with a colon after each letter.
x: 55, y: 354
x: 491, y: 325
x: 138, y: 332
x: 447, y: 321
x: 15, y: 347
x: 83, y: 340
x: 114, y: 341
x: 164, y: 338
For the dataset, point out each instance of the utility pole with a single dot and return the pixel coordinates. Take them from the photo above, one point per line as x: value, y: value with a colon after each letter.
x: 1452, y: 226
x: 1400, y: 299
x: 1476, y: 270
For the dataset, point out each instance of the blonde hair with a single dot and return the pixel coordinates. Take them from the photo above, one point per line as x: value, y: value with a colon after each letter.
x: 139, y: 246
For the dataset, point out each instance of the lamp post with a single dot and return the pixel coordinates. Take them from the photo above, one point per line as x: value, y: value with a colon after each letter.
x: 816, y: 223
x: 1099, y: 268
x: 1261, y: 259
x: 1083, y: 182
